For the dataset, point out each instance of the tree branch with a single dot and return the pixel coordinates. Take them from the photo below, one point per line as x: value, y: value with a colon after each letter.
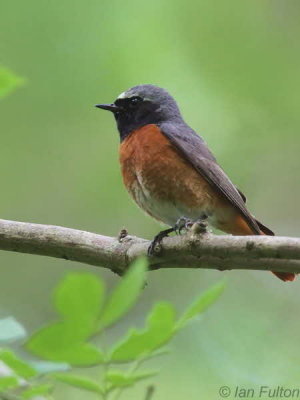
x: 193, y: 250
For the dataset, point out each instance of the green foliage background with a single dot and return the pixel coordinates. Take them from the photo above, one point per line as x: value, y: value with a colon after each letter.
x: 234, y: 69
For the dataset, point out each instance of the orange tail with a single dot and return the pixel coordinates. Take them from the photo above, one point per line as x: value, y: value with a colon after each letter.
x: 285, y: 276
x: 241, y: 228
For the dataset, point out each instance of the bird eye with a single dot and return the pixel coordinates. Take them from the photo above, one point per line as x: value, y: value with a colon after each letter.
x: 135, y: 100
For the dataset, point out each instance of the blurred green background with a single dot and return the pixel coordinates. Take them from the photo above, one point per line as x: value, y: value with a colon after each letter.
x: 233, y: 67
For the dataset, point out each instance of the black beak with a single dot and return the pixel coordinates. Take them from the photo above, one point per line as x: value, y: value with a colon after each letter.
x: 109, y: 107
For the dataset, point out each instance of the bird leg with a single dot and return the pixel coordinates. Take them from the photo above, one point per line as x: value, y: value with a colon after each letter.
x: 181, y: 223
x: 154, y: 247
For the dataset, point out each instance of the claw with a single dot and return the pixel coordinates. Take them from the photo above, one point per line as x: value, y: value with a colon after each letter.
x: 155, y: 246
x: 181, y: 224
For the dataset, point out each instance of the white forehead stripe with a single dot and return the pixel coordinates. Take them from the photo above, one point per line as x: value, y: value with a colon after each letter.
x: 122, y: 96
x: 129, y: 95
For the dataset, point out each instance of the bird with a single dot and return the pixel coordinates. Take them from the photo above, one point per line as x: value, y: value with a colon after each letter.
x: 169, y: 171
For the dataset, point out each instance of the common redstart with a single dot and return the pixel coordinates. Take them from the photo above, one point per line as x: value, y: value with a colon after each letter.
x: 170, y: 172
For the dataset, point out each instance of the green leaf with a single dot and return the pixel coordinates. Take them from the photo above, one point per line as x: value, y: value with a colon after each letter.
x: 18, y: 366
x: 58, y: 336
x: 159, y: 330
x: 8, y: 382
x: 37, y: 390
x: 8, y: 81
x: 79, y: 298
x: 125, y: 294
x: 54, y: 339
x: 79, y: 382
x: 201, y: 304
x: 62, y: 342
x: 120, y: 379
x: 84, y: 355
x: 11, y: 330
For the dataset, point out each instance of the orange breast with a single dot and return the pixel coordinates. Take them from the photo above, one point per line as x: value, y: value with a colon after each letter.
x: 160, y: 180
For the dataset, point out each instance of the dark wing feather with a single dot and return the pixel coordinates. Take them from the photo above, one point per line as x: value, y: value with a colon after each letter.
x: 242, y: 195
x: 195, y: 150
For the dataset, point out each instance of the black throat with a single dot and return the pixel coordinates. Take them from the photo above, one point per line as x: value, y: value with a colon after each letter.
x: 131, y: 118
x: 127, y: 124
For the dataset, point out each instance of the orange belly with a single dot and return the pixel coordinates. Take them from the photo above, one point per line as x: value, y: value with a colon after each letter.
x: 167, y: 186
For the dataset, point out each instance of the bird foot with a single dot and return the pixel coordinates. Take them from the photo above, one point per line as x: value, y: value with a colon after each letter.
x: 183, y: 223
x: 155, y: 246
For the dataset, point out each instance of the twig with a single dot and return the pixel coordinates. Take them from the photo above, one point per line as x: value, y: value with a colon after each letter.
x: 193, y: 250
x: 149, y: 393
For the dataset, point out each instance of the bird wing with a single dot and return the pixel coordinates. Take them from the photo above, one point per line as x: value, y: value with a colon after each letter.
x: 194, y: 149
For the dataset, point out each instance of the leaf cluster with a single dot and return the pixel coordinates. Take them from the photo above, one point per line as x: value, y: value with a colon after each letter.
x: 85, y: 311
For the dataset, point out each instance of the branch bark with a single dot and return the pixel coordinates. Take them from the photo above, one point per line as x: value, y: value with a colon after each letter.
x: 192, y: 250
